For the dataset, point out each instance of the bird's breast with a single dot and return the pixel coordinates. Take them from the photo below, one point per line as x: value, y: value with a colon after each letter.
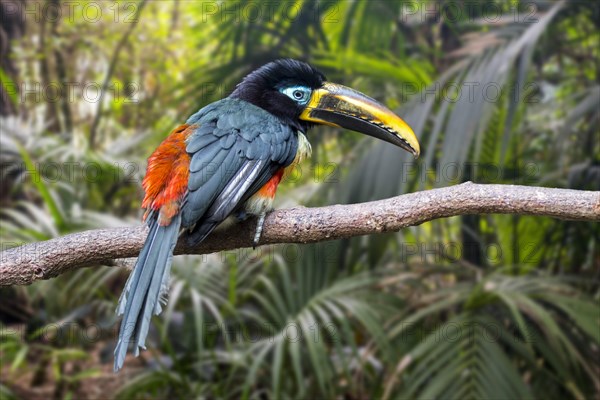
x: 304, y: 150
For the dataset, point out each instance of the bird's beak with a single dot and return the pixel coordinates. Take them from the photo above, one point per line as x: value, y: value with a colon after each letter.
x: 341, y: 106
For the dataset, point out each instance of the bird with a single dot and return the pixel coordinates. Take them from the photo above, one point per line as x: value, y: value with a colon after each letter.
x: 228, y: 160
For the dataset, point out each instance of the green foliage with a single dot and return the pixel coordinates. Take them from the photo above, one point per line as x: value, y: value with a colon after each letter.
x: 504, y: 336
x: 6, y: 393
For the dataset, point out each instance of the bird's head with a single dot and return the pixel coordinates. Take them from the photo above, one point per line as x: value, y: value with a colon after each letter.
x: 299, y: 95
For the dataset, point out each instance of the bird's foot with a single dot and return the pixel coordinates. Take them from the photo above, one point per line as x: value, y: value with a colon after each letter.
x: 259, y: 228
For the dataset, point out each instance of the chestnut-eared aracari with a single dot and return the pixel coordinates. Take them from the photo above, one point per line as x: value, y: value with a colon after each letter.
x: 228, y: 158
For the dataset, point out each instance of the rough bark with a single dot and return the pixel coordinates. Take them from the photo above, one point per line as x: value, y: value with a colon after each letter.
x: 29, y: 263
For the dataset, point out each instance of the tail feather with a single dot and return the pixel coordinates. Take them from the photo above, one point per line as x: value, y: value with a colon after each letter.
x: 146, y: 287
x: 152, y: 303
x: 200, y: 232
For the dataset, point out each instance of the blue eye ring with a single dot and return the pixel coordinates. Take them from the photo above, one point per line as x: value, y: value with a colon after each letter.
x: 300, y: 94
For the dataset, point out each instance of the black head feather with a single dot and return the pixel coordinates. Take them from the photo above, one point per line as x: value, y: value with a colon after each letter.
x: 262, y: 88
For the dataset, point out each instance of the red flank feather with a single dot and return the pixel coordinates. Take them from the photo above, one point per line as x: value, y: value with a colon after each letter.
x: 269, y: 189
x: 167, y: 175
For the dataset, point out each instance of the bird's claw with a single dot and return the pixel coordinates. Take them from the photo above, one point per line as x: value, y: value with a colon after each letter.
x: 259, y: 228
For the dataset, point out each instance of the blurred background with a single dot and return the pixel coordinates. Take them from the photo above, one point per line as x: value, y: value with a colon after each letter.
x: 482, y: 306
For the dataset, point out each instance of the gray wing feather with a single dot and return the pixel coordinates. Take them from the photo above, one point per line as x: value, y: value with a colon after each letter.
x: 212, y: 183
x: 206, y: 156
x: 249, y: 146
x: 201, y: 142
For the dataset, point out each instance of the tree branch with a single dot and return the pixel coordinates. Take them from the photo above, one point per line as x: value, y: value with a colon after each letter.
x: 29, y: 263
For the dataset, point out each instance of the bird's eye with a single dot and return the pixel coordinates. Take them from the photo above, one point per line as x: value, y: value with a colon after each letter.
x: 299, y: 94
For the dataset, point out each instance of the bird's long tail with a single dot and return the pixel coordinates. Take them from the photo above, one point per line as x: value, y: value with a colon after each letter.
x: 146, y: 286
